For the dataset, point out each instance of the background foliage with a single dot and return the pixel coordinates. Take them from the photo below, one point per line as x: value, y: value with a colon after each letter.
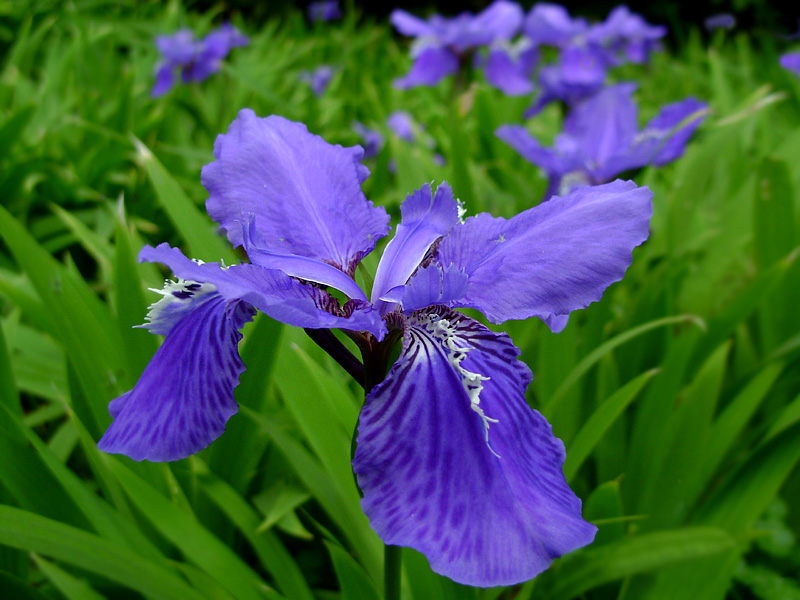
x: 677, y: 395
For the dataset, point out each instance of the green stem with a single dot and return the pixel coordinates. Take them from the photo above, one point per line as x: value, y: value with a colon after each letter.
x: 392, y: 560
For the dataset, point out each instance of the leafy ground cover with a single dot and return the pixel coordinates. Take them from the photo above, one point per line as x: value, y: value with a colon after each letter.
x: 677, y: 396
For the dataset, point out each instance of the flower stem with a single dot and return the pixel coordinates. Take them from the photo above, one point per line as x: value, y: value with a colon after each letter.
x: 325, y: 339
x: 392, y: 560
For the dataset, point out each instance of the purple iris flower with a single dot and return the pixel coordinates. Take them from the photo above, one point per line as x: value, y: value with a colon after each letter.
x: 601, y: 139
x: 372, y: 140
x: 509, y: 66
x: 720, y: 21
x: 196, y: 60
x: 551, y: 25
x: 325, y: 10
x: 579, y: 73
x: 791, y: 62
x: 318, y: 79
x: 442, y: 44
x: 627, y: 35
x: 403, y: 125
x: 450, y: 458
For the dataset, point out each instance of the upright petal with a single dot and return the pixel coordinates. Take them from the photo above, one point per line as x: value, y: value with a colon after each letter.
x: 409, y: 25
x: 185, y: 395
x: 484, y: 513
x: 272, y: 292
x: 605, y: 124
x: 425, y: 218
x: 553, y: 258
x: 551, y: 24
x: 432, y: 64
x: 501, y: 20
x: 305, y: 193
x: 434, y: 285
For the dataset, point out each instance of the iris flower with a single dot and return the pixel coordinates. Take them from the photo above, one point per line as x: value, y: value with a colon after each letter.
x: 450, y: 458
x: 601, y: 139
x: 627, y: 35
x: 372, y: 140
x: 196, y: 60
x: 791, y: 62
x: 318, y: 79
x: 443, y: 44
x: 325, y: 10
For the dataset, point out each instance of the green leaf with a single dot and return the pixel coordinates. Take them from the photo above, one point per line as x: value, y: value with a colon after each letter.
x: 270, y: 550
x: 79, y: 320
x: 593, y: 357
x: 600, y: 421
x: 582, y: 571
x: 197, y: 230
x: 72, y: 587
x: 191, y: 537
x: 34, y: 533
x: 355, y: 584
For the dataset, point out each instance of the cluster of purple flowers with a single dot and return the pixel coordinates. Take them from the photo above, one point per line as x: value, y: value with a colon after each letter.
x: 195, y: 60
x: 601, y: 140
x: 318, y: 79
x: 443, y: 46
x: 324, y: 10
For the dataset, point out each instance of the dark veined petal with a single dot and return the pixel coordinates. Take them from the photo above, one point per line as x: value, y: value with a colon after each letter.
x: 553, y: 258
x: 425, y: 218
x: 185, y: 395
x: 304, y: 192
x: 484, y: 513
x: 272, y: 292
x: 431, y: 65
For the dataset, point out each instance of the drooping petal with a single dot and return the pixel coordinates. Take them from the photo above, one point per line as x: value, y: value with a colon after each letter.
x: 522, y: 141
x: 553, y: 258
x: 304, y: 192
x: 272, y: 292
x: 431, y: 65
x: 165, y: 79
x: 185, y: 395
x: 425, y: 218
x: 483, y: 513
x: 510, y: 75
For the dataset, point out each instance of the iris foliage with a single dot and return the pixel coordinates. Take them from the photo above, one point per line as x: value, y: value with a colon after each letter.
x: 676, y: 395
